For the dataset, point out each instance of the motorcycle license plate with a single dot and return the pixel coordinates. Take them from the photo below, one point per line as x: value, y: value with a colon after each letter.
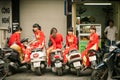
x: 58, y: 64
x: 76, y: 64
x: 36, y: 64
x: 92, y: 58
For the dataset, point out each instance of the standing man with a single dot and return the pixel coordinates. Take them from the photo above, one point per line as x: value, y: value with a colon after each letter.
x: 110, y: 33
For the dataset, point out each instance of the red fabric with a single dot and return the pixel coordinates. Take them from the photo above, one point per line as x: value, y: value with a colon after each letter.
x: 27, y: 53
x: 52, y: 41
x: 40, y: 42
x: 57, y: 41
x: 15, y: 38
x: 56, y: 44
x: 71, y: 43
x: 93, y: 39
x: 39, y: 36
x: 48, y: 54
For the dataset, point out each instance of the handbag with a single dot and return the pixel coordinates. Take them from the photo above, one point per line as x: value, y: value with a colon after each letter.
x: 49, y: 43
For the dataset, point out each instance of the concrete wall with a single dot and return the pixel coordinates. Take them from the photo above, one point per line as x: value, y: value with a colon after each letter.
x: 47, y: 13
x: 5, y: 20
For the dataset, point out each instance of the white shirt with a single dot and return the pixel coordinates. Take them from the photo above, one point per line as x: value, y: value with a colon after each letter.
x: 111, y: 32
x: 77, y: 27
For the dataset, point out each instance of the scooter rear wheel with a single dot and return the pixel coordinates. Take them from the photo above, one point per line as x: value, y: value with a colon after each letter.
x: 38, y: 71
x: 78, y: 72
x: 59, y: 72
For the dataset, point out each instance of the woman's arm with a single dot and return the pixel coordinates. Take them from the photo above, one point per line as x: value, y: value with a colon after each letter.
x: 92, y: 41
x: 53, y: 41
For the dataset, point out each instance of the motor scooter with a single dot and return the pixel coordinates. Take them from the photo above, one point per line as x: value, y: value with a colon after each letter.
x: 57, y: 61
x: 110, y: 63
x: 74, y: 61
x: 38, y: 61
x: 12, y: 59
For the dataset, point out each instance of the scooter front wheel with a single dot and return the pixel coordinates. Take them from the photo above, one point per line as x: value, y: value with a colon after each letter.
x: 99, y: 75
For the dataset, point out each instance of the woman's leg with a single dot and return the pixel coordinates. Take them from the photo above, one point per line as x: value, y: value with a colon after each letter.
x: 65, y: 52
x: 48, y: 54
x: 85, y: 58
x: 19, y: 50
x: 27, y: 53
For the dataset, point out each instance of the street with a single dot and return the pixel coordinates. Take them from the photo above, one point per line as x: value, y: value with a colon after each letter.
x: 47, y: 76
x: 28, y: 75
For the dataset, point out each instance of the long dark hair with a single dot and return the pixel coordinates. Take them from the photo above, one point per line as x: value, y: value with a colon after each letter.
x: 51, y: 31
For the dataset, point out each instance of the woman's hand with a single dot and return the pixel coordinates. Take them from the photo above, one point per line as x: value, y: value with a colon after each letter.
x: 67, y: 47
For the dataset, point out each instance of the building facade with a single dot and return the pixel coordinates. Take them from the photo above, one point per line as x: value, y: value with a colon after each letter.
x: 25, y: 13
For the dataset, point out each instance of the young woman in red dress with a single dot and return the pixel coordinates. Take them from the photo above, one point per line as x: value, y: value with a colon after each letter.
x: 56, y: 40
x: 92, y: 44
x: 71, y: 43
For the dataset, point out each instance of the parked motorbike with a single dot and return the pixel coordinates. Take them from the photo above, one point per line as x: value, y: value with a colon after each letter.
x: 111, y: 63
x: 56, y: 61
x: 38, y: 61
x: 94, y: 58
x: 74, y: 61
x: 3, y: 73
x: 12, y: 59
x: 1, y: 61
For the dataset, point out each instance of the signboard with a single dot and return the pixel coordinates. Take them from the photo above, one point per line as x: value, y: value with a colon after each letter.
x: 5, y: 14
x: 5, y: 21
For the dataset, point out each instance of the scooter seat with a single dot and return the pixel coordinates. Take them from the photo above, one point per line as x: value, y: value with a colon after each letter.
x: 36, y: 50
x: 7, y: 50
x: 55, y: 50
x: 73, y: 51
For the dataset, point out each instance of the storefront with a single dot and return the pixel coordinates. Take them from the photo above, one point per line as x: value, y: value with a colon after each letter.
x: 93, y: 12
